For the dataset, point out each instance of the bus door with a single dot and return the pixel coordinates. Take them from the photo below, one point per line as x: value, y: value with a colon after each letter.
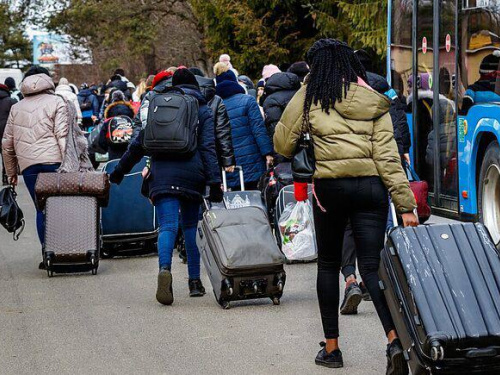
x: 434, y: 109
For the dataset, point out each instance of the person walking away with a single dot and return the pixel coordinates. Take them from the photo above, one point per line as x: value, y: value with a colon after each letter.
x: 278, y: 91
x: 89, y: 106
x: 6, y: 103
x: 35, y: 136
x: 355, y: 292
x: 178, y: 182
x: 251, y: 142
x: 63, y: 89
x: 300, y: 69
x: 14, y: 92
x: 357, y: 164
x: 223, y: 139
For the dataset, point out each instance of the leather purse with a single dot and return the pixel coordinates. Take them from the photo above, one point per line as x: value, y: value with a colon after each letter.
x: 95, y: 184
x: 11, y: 216
x: 304, y: 162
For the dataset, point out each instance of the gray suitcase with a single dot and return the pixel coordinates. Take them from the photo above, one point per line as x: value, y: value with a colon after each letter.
x: 243, y: 198
x: 72, y: 242
x: 240, y: 255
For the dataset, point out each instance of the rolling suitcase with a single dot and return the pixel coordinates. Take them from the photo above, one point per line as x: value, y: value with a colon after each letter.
x: 240, y: 255
x: 442, y: 285
x: 124, y: 229
x: 243, y: 198
x: 72, y: 240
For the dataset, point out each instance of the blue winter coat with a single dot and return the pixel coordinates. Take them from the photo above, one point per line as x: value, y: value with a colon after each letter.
x: 82, y: 97
x: 251, y: 141
x: 182, y: 177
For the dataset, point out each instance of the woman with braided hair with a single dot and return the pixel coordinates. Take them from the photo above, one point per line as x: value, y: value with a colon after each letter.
x: 357, y: 164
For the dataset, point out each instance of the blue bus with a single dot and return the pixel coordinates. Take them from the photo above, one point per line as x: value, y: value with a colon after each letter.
x: 446, y: 54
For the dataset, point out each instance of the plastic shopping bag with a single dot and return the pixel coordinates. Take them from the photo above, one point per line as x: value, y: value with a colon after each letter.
x: 298, y: 238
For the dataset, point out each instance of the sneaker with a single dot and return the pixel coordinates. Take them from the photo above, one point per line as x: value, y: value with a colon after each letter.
x: 196, y: 288
x: 366, y: 293
x: 396, y: 362
x: 331, y: 360
x: 164, y: 293
x: 352, y: 299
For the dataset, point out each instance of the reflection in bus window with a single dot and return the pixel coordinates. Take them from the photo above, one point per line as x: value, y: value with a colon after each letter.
x: 484, y: 89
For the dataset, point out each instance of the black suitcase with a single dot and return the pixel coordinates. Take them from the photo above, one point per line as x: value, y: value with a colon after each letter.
x: 240, y: 255
x: 442, y: 284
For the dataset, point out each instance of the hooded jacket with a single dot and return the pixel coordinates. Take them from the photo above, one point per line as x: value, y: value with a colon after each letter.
x: 355, y: 140
x: 37, y: 127
x: 182, y: 177
x: 397, y: 112
x: 66, y: 92
x: 85, y: 95
x: 251, y: 141
x: 6, y: 102
x: 279, y: 90
x: 119, y: 108
x: 223, y: 139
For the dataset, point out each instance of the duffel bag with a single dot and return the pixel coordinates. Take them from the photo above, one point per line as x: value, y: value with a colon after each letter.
x: 420, y: 190
x: 95, y: 184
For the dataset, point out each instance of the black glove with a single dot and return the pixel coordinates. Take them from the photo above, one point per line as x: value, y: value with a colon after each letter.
x: 216, y: 193
x: 116, y: 177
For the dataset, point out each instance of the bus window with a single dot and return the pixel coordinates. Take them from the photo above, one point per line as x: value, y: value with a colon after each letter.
x: 480, y: 59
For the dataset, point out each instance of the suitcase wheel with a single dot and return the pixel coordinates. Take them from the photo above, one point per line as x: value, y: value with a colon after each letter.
x: 95, y: 264
x: 276, y: 301
x: 437, y: 353
x: 48, y: 265
x: 280, y: 286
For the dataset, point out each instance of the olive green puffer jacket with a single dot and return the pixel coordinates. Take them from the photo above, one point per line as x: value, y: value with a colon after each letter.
x: 355, y: 140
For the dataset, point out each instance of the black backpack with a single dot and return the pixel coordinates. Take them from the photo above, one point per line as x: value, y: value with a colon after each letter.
x: 11, y: 216
x: 85, y: 103
x: 172, y: 124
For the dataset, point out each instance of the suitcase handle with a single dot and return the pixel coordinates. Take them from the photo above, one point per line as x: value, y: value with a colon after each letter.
x: 242, y: 178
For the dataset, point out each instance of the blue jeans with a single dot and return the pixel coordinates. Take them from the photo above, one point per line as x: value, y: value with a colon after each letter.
x: 30, y: 175
x: 168, y: 217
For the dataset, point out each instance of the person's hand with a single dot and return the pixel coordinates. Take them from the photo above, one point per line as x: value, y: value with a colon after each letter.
x: 216, y: 193
x: 13, y: 180
x: 229, y: 169
x: 269, y: 160
x: 407, y: 158
x: 94, y: 118
x: 410, y: 219
x: 116, y: 178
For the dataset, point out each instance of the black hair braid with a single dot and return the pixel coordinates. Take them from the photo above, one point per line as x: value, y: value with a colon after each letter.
x: 333, y: 67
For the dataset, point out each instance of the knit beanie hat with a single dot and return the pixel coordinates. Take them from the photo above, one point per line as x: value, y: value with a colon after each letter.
x: 226, y: 76
x: 184, y: 77
x: 269, y: 70
x: 163, y: 75
x: 10, y: 83
x: 63, y: 82
x: 117, y: 96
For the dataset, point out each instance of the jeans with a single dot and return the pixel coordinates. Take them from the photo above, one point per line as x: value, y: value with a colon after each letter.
x: 30, y: 175
x: 363, y: 202
x: 168, y: 216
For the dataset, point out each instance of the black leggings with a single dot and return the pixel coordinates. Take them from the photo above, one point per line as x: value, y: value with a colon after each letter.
x: 363, y: 201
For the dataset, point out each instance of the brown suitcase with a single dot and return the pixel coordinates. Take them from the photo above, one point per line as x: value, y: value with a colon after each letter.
x: 72, y: 235
x: 94, y: 184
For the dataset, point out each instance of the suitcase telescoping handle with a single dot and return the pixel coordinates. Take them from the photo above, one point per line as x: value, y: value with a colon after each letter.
x: 394, y: 214
x: 242, y: 178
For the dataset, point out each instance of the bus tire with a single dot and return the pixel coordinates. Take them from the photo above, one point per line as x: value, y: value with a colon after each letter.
x: 488, y: 201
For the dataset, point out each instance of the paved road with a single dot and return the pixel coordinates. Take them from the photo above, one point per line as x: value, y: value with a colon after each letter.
x: 112, y: 324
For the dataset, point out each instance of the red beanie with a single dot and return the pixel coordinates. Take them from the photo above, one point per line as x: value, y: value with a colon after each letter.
x: 160, y: 77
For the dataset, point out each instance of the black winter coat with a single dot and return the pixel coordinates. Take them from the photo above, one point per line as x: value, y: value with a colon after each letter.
x: 186, y: 178
x: 223, y: 139
x: 279, y: 90
x: 398, y: 115
x: 6, y: 102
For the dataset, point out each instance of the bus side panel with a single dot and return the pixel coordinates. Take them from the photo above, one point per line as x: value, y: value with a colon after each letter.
x: 482, y: 118
x: 409, y: 118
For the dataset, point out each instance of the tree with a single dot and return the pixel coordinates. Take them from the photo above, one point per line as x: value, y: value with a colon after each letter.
x: 14, y: 45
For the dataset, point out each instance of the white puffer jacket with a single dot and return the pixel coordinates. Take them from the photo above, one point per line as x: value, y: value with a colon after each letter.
x: 37, y: 126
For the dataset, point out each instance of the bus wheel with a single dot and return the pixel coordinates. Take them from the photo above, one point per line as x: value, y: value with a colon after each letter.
x: 489, y: 191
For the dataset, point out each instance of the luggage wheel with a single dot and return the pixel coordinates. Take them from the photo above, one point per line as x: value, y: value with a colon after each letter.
x: 95, y: 264
x: 276, y: 301
x: 48, y: 266
x: 280, y: 286
x: 437, y: 353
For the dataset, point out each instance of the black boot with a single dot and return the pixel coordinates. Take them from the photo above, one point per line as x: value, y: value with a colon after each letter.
x: 331, y: 360
x: 396, y: 362
x: 196, y: 288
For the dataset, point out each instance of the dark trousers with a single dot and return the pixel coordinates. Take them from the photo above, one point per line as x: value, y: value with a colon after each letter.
x: 348, y: 253
x: 363, y: 202
x: 30, y: 175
